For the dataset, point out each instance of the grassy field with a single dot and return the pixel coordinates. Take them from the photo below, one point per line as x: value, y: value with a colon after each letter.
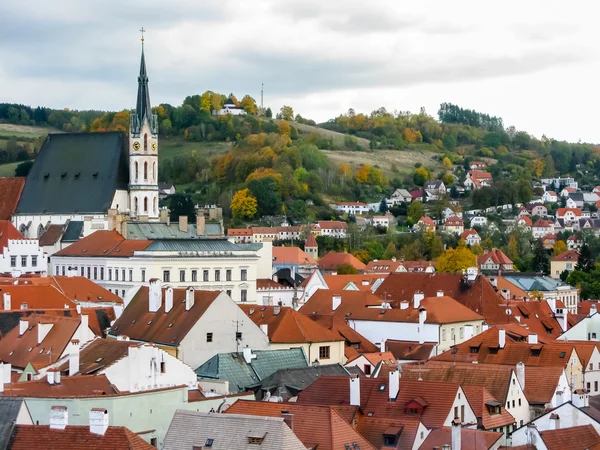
x: 338, y: 138
x: 173, y: 147
x: 24, y: 131
x: 8, y: 170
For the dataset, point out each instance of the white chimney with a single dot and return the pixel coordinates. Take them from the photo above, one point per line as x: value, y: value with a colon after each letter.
x: 50, y: 376
x: 532, y: 338
x: 7, y: 304
x: 505, y: 294
x: 501, y: 337
x: 521, y: 375
x: 248, y: 355
x: 264, y: 327
x: 355, y: 390
x: 456, y: 434
x: 59, y: 417
x: 562, y: 318
x: 84, y: 328
x: 382, y: 345
x: 276, y: 310
x: 4, y: 375
x: 23, y: 325
x: 98, y: 421
x: 422, y: 319
x: 169, y: 299
x: 440, y: 293
x: 556, y: 419
x: 580, y: 398
x: 468, y: 332
x: 336, y: 301
x: 155, y: 295
x: 57, y: 376
x: 593, y: 309
x: 394, y: 382
x: 417, y: 297
x: 189, y: 298
x: 484, y: 327
x: 74, y: 358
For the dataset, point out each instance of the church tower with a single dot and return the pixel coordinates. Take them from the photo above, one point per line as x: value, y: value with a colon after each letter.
x: 143, y: 152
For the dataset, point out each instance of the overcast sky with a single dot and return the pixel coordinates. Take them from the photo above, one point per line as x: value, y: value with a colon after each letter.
x: 534, y: 63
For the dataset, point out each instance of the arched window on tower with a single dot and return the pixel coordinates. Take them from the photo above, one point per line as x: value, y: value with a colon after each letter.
x: 146, y: 142
x: 145, y: 170
x: 136, y: 205
x: 154, y: 172
x: 136, y: 171
x: 145, y: 204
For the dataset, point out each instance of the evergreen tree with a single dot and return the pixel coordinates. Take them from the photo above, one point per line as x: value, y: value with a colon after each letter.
x: 541, y: 259
x: 586, y: 262
x: 383, y: 207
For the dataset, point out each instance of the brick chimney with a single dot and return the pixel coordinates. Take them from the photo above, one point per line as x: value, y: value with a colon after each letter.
x: 200, y: 224
x: 183, y: 224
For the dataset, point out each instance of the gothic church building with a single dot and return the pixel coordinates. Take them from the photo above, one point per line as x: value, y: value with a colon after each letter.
x: 84, y: 181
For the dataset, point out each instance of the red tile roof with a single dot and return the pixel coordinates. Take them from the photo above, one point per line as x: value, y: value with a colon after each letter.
x: 320, y: 426
x: 527, y: 220
x: 479, y: 398
x: 480, y: 175
x: 310, y: 241
x: 470, y: 232
x: 427, y: 221
x: 11, y: 189
x: 374, y: 428
x: 8, y: 231
x: 410, y: 350
x: 31, y: 296
x: 581, y: 437
x: 332, y: 225
x: 51, y: 235
x: 105, y: 244
x: 537, y: 317
x: 239, y: 232
x: 288, y: 326
x: 138, y: 323
x: 569, y: 255
x: 291, y: 255
x: 560, y: 212
x: 99, y: 354
x: 26, y: 437
x: 332, y: 260
x: 364, y: 282
x: 496, y: 255
x: 470, y: 439
x: 390, y: 265
x: 542, y: 223
x: 69, y: 387
x: 454, y: 222
x: 376, y: 357
x: 267, y: 283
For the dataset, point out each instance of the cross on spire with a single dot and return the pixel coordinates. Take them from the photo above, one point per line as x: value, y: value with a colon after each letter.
x: 143, y: 31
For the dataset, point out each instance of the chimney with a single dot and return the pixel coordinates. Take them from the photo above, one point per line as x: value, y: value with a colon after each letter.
x: 74, y: 358
x: 484, y: 327
x: 50, y: 376
x: 505, y: 293
x: 532, y: 338
x: 248, y: 355
x: 521, y: 375
x: 200, y: 224
x: 84, y: 327
x: 440, y: 293
x: 183, y: 224
x: 23, y: 326
x: 276, y: 310
x: 562, y: 318
x: 501, y: 337
x: 5, y: 378
x: 59, y: 417
x: 57, y: 376
x: 288, y: 419
x: 164, y: 216
x: 155, y: 295
x: 422, y: 319
x: 417, y: 297
x: 168, y: 299
x: 403, y: 305
x: 98, y: 421
x: 7, y: 305
x: 494, y: 281
x: 552, y: 304
x: 382, y: 345
x: 580, y: 398
x: 264, y: 327
x: 355, y: 390
x: 189, y: 298
x: 456, y: 434
x: 336, y: 301
x: 593, y: 309
x: 394, y: 382
x: 556, y: 419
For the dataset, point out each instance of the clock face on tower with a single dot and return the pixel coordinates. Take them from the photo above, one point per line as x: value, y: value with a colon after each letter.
x: 136, y: 145
x: 154, y: 146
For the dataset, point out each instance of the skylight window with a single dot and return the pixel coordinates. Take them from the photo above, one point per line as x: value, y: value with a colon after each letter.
x: 382, y: 387
x: 99, y: 359
x: 209, y: 442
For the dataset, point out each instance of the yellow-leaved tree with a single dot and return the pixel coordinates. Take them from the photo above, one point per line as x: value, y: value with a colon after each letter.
x: 455, y: 260
x: 447, y: 163
x: 559, y: 247
x: 243, y: 204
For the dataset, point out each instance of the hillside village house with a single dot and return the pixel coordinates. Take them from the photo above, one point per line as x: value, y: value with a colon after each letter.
x: 230, y: 108
x: 426, y: 223
x: 400, y: 196
x: 454, y: 225
x: 471, y: 237
x: 297, y: 261
x: 495, y: 260
x: 569, y: 215
x: 353, y: 208
x: 477, y: 165
x: 122, y: 265
x: 566, y: 261
x: 556, y: 183
x: 478, y: 221
x: 550, y: 288
x: 19, y: 255
x: 333, y: 228
x: 550, y: 197
x: 477, y: 179
x: 386, y: 221
x: 542, y: 228
x: 383, y: 266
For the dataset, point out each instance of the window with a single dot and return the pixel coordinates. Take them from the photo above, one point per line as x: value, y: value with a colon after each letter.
x: 145, y: 170
x: 145, y: 204
x: 102, y: 273
x: 513, y: 403
x: 116, y: 274
x: 143, y: 275
x: 521, y: 423
x: 194, y: 275
x: 389, y: 440
x: 95, y: 273
x: 595, y: 386
x: 123, y: 273
x: 456, y: 412
x: 238, y: 335
x: 89, y: 273
x: 13, y: 261
x: 443, y: 334
x: 130, y: 274
x: 228, y: 275
x: 591, y: 367
x: 145, y: 142
x: 205, y: 275
x: 182, y: 275
x: 163, y: 367
x: 519, y: 402
x: 244, y: 295
x: 136, y: 171
x: 217, y: 275
x: 154, y: 442
x: 452, y: 337
x: 23, y: 261
x: 367, y: 369
x: 244, y: 274
x: 166, y: 276
x: 122, y: 293
x: 209, y: 442
x: 589, y: 387
x: 462, y: 413
x: 209, y: 337
x: 229, y: 292
x: 63, y: 271
x: 83, y: 271
x: 461, y: 332
x: 324, y: 352
x: 507, y: 405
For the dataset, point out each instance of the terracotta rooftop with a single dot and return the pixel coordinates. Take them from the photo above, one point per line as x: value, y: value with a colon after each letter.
x: 537, y: 317
x: 310, y: 242
x: 321, y: 426
x: 569, y: 255
x: 542, y: 223
x: 526, y: 220
x: 470, y: 232
x: 239, y: 232
x: 374, y: 429
x: 139, y: 324
x: 470, y: 439
x: 332, y: 225
x: 26, y: 437
x: 427, y: 221
x: 98, y: 354
x: 291, y: 255
x: 8, y: 231
x: 69, y: 387
x: 105, y: 244
x: 584, y: 436
x: 480, y: 174
x: 288, y: 325
x: 496, y: 255
x: 560, y: 212
x: 364, y: 282
x: 332, y: 260
x: 376, y: 357
x: 516, y: 293
x: 11, y: 189
x: 267, y: 283
x: 51, y: 235
x: 32, y: 296
x: 479, y: 398
x: 392, y: 265
x: 410, y: 350
x: 454, y: 221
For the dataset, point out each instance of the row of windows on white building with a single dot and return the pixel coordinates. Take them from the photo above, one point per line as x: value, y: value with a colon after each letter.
x: 34, y: 261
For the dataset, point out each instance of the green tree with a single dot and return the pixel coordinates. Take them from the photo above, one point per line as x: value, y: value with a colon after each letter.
x: 346, y: 269
x: 23, y: 169
x: 383, y: 207
x: 269, y: 113
x: 181, y: 205
x: 559, y: 247
x: 433, y: 245
x: 266, y: 192
x: 585, y: 262
x: 420, y: 176
x: 541, y: 260
x: 286, y: 113
x: 390, y: 251
x: 415, y: 212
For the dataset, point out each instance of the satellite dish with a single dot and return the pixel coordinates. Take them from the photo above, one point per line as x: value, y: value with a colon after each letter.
x: 508, y: 311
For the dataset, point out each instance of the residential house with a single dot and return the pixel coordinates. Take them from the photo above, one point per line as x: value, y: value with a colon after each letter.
x: 19, y: 256
x: 240, y: 235
x: 471, y: 236
x: 333, y: 228
x: 333, y: 260
x: 569, y: 182
x: 454, y: 225
x: 400, y: 196
x: 295, y: 259
x: 477, y: 165
x: 434, y: 190
x: 582, y: 437
x: 550, y: 288
x: 287, y: 328
x: 359, y: 282
x: 566, y: 261
x: 407, y: 351
x: 165, y: 189
x: 542, y: 228
x: 477, y: 178
x: 13, y: 412
x: 352, y: 208
x: 383, y: 266
x: 569, y: 215
x: 550, y: 197
x: 417, y: 194
x: 495, y: 260
x: 590, y: 198
x: 574, y: 242
x: 368, y: 362
x: 525, y: 222
x: 386, y: 221
x: 576, y: 200
x: 189, y: 324
x: 548, y: 241
x: 281, y: 292
x: 537, y: 209
x: 230, y: 108
x: 425, y: 223
x: 478, y: 221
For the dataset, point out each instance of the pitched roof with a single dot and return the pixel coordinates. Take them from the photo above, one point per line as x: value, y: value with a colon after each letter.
x: 374, y: 428
x: 562, y: 211
x: 11, y: 189
x: 105, y: 244
x: 9, y: 412
x: 73, y: 232
x: 537, y: 317
x: 161, y: 327
x: 479, y: 398
x: 480, y: 174
x: 310, y: 242
x: 542, y: 223
x: 288, y: 325
x: 320, y: 426
x: 581, y: 437
x: 364, y: 282
x: 291, y: 255
x: 25, y: 437
x: 392, y: 265
x: 33, y: 296
x: 229, y: 431
x: 470, y: 439
x: 51, y: 235
x: 427, y: 221
x: 496, y: 255
x: 332, y: 225
x: 569, y: 255
x: 376, y: 357
x: 332, y: 260
x: 98, y: 354
x: 239, y: 232
x: 527, y: 220
x: 470, y: 232
x: 410, y: 350
x: 76, y: 173
x: 8, y: 231
x: 454, y: 221
x: 69, y: 387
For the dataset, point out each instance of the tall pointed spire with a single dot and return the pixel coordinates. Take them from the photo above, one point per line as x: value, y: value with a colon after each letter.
x: 143, y: 107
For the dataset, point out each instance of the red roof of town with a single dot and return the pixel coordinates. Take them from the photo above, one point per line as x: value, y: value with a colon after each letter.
x: 410, y: 350
x: 364, y: 281
x: 562, y: 211
x: 104, y: 243
x: 496, y: 255
x: 427, y: 221
x: 569, y: 255
x: 310, y: 242
x: 352, y: 203
x: 470, y: 439
x: 99, y: 354
x: 332, y: 225
x: 392, y: 265
x: 51, y: 235
x: 239, y: 232
x: 480, y: 174
x: 8, y: 231
x: 291, y: 255
x: 542, y: 223
x: 585, y: 436
x: 470, y: 232
x: 332, y: 260
x: 527, y: 220
x: 11, y: 189
x: 454, y: 221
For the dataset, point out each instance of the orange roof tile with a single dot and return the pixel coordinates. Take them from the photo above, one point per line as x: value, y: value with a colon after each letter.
x: 105, y: 244
x: 569, y: 255
x: 427, y: 221
x: 470, y: 232
x: 364, y: 282
x: 267, y: 283
x: 496, y: 255
x: 69, y: 387
x: 470, y: 439
x: 560, y: 212
x: 376, y: 357
x: 291, y: 255
x: 332, y: 260
x: 527, y: 220
x: 479, y: 397
x: 99, y: 354
x: 288, y: 326
x: 51, y: 235
x: 8, y: 231
x: 11, y: 189
x: 581, y: 437
x: 332, y: 225
x: 410, y: 350
x: 26, y: 437
x: 239, y: 232
x: 391, y: 265
x: 516, y: 293
x: 374, y: 428
x: 480, y: 175
x: 31, y: 296
x: 310, y: 242
x: 454, y: 221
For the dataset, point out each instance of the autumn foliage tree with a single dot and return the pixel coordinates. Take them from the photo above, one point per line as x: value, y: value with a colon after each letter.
x: 244, y: 204
x: 455, y: 260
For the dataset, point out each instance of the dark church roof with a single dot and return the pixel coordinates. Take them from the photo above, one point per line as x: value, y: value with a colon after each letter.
x: 143, y: 107
x: 76, y: 173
